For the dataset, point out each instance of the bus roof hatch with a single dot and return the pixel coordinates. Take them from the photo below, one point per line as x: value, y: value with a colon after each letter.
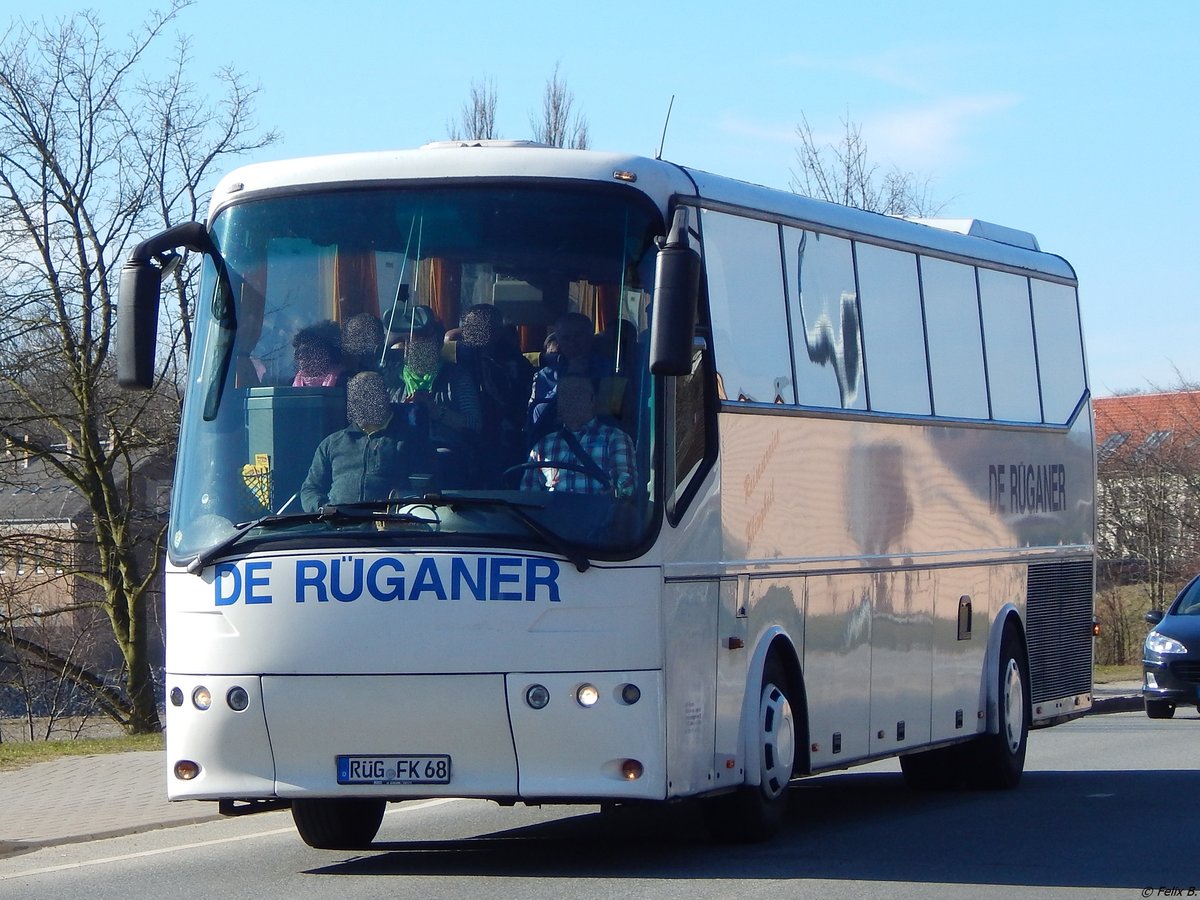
x: 1001, y: 234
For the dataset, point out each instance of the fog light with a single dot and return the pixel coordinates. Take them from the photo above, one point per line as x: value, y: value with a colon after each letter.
x: 237, y: 698
x: 631, y: 694
x: 186, y: 770
x: 587, y: 695
x: 201, y: 698
x: 632, y: 769
x: 1151, y: 681
x: 176, y: 697
x: 537, y: 696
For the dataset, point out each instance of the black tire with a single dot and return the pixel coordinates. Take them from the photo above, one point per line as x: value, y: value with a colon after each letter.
x: 1000, y: 758
x: 943, y: 769
x: 341, y: 824
x: 1160, y: 709
x: 755, y: 812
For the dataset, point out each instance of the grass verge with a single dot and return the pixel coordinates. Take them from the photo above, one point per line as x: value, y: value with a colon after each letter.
x: 15, y: 754
x: 1107, y: 674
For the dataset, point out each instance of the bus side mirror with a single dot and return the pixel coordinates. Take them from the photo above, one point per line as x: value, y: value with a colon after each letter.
x: 676, y: 292
x: 138, y: 298
x: 137, y: 323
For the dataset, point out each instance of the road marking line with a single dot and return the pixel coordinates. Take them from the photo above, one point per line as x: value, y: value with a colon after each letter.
x: 29, y: 873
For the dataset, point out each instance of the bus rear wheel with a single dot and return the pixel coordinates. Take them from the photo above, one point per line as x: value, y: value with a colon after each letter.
x: 755, y: 812
x: 349, y: 823
x: 1000, y: 758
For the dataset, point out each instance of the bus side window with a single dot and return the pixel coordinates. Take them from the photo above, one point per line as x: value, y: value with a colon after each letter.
x: 688, y: 450
x: 744, y: 279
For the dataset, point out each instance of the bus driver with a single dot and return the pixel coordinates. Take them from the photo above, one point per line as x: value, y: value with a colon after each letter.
x: 596, y: 457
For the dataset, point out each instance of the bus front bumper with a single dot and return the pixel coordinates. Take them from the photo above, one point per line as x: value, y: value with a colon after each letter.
x: 516, y: 736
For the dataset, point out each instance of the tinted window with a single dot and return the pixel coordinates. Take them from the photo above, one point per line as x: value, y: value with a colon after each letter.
x: 893, y: 331
x: 955, y: 344
x: 825, y: 327
x: 749, y: 320
x: 266, y: 432
x: 1008, y: 342
x: 1059, y: 349
x: 686, y: 407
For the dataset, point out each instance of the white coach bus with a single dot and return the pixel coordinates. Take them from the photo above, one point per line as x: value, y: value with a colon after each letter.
x: 855, y: 518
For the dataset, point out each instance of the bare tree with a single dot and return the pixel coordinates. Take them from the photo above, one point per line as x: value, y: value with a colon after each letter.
x: 556, y: 126
x: 44, y: 684
x: 1148, y: 509
x: 477, y: 117
x: 93, y: 154
x: 844, y: 173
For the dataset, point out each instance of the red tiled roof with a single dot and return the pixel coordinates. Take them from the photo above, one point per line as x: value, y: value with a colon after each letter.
x: 1140, y: 415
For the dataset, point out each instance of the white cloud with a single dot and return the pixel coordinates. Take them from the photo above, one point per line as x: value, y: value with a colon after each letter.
x: 767, y: 132
x: 930, y: 137
x: 921, y: 139
x: 909, y: 68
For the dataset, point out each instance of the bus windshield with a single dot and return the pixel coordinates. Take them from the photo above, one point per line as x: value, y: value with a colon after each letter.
x: 456, y: 365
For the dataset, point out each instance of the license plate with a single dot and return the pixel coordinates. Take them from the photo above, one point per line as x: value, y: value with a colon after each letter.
x: 408, y: 768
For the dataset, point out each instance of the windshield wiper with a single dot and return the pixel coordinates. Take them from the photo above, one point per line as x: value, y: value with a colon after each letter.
x: 370, y: 510
x: 387, y: 511
x: 517, y: 508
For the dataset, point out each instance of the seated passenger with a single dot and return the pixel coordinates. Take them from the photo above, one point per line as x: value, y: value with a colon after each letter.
x: 595, y: 457
x: 364, y: 349
x: 502, y: 375
x: 548, y: 353
x: 318, y: 350
x: 362, y: 343
x: 446, y: 397
x: 370, y: 457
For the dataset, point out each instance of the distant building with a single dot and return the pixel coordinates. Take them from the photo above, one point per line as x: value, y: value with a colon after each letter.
x: 49, y: 561
x: 1148, y: 490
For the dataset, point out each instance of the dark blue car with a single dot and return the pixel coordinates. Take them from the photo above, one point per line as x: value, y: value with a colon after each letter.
x: 1171, y: 655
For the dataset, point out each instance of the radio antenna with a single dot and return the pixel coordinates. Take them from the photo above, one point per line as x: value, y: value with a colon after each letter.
x: 663, y: 140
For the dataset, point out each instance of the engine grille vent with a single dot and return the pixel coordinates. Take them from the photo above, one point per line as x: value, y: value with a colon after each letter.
x: 1058, y: 623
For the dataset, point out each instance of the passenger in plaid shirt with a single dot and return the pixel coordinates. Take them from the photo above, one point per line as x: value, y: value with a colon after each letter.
x: 608, y: 449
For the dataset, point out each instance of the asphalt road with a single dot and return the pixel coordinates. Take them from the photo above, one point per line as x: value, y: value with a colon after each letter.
x: 1108, y: 805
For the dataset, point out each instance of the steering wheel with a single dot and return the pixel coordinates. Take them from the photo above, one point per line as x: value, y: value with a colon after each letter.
x: 568, y: 466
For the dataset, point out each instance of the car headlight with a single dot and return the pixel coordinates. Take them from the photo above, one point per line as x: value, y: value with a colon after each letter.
x: 1160, y: 643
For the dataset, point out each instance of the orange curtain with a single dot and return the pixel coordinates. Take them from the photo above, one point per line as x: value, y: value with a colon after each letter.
x: 532, y: 337
x: 355, y: 284
x: 444, y: 286
x: 585, y: 301
x: 607, y: 296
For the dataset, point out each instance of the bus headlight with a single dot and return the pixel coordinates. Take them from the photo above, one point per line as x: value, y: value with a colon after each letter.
x: 201, y: 698
x: 586, y: 695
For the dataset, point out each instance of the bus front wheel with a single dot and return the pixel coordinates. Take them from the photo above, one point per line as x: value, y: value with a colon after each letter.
x: 755, y: 812
x: 349, y: 823
x: 1000, y: 757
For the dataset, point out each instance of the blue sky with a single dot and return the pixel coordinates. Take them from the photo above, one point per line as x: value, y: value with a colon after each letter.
x: 1074, y: 120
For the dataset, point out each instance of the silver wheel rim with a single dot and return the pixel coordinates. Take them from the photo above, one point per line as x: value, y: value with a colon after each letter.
x: 1014, y: 707
x: 777, y: 741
